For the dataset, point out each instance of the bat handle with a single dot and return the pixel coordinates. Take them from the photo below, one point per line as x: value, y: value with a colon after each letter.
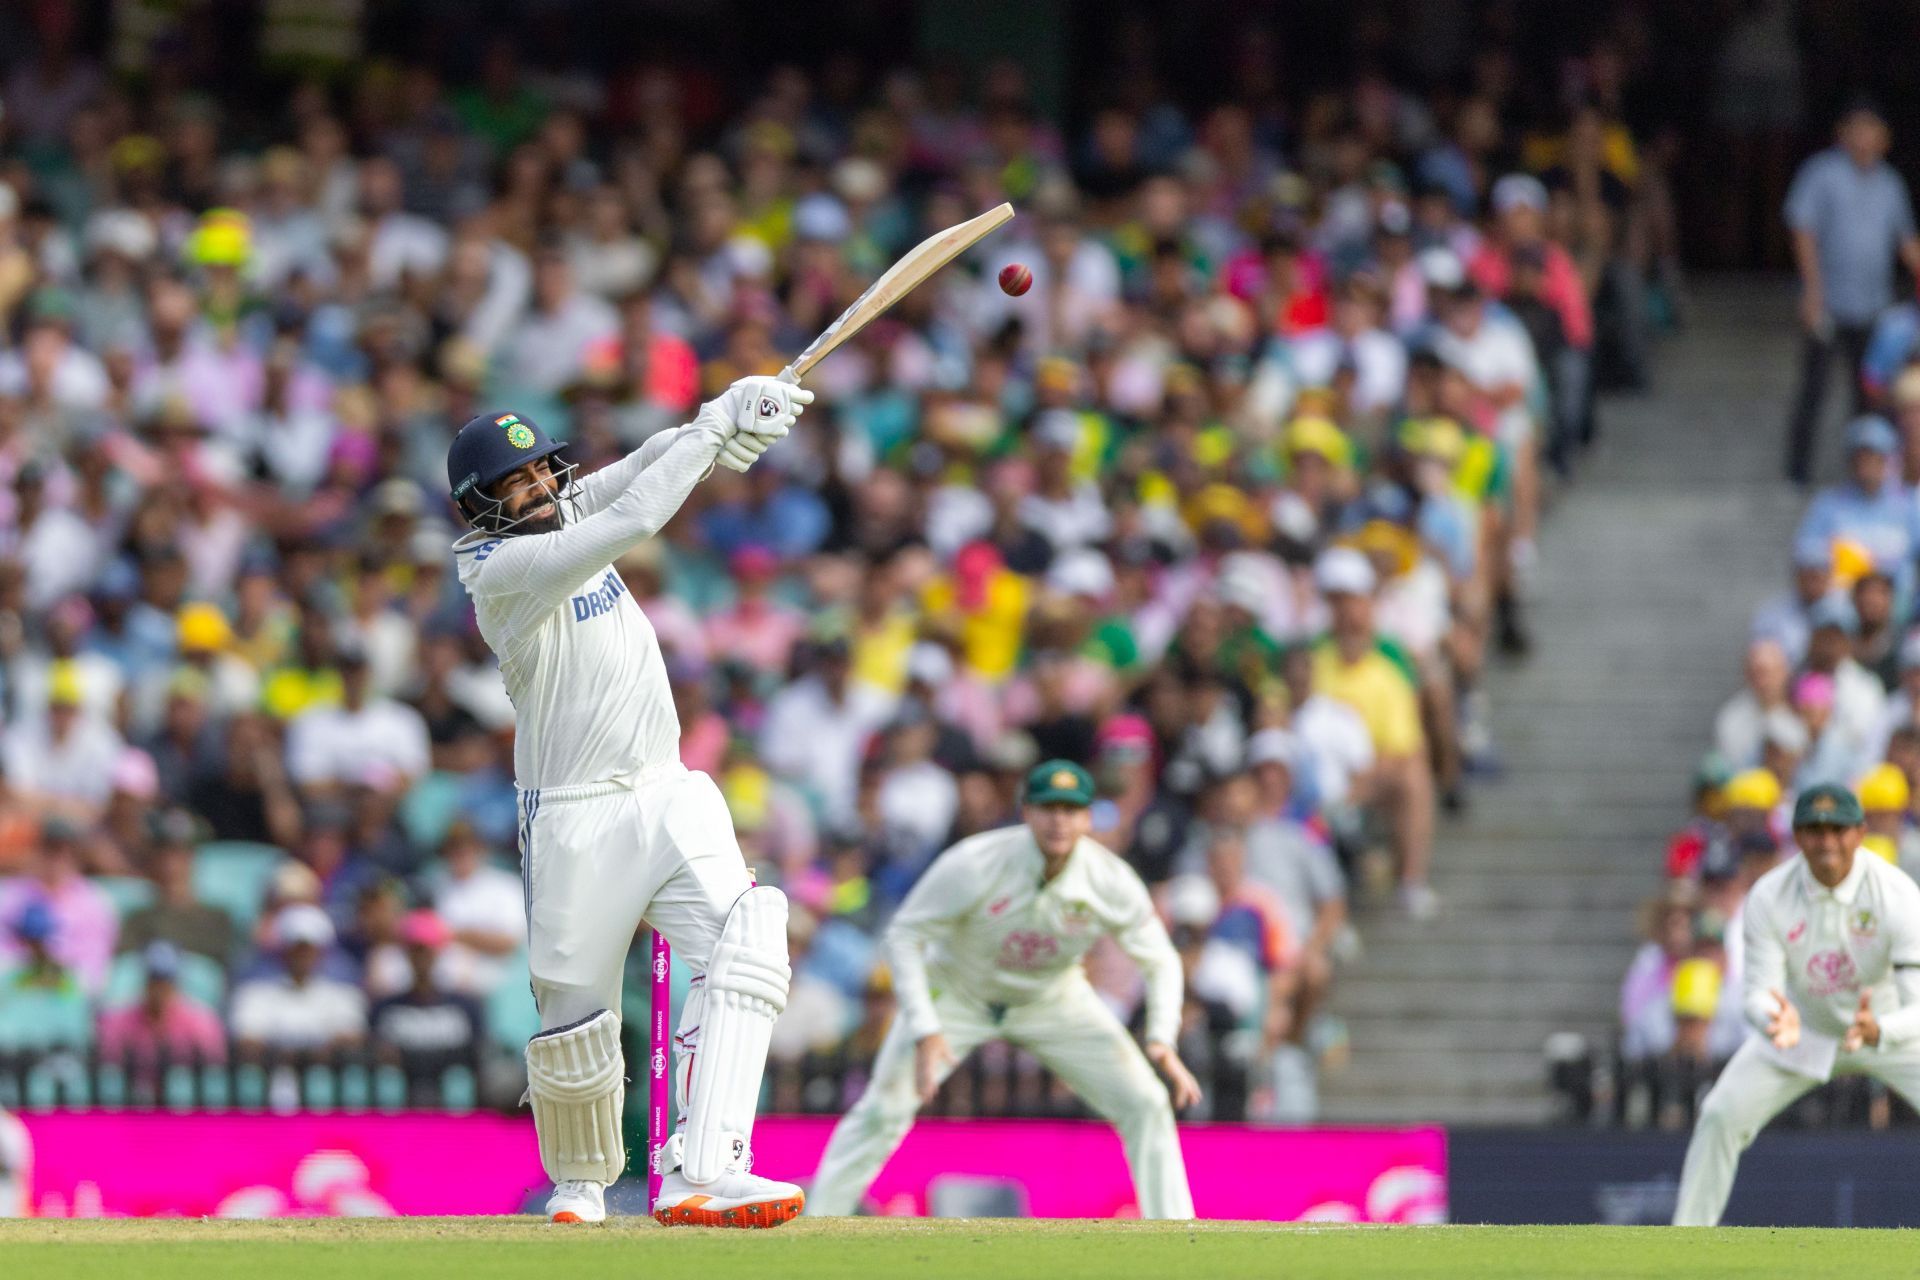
x: 789, y: 376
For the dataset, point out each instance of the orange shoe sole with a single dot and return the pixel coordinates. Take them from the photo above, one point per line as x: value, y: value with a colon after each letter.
x: 568, y: 1217
x: 766, y: 1213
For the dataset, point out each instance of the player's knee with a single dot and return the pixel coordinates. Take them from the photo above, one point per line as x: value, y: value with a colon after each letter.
x: 1718, y: 1118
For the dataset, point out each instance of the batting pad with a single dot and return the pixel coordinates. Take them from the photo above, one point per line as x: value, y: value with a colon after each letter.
x: 574, y: 1077
x: 746, y: 987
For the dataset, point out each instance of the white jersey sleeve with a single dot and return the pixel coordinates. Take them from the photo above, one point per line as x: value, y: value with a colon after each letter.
x: 1900, y: 1027
x: 1145, y: 940
x: 1765, y: 962
x: 533, y: 574
x: 945, y: 894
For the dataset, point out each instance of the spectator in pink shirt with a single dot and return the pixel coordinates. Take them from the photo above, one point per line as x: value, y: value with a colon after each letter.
x: 756, y: 630
x: 85, y: 922
x: 165, y: 1025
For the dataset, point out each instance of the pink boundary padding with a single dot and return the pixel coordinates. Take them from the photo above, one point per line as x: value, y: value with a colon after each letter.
x: 658, y: 1061
x: 159, y: 1164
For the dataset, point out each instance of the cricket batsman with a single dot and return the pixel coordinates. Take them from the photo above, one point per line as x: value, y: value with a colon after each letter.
x: 1832, y: 985
x: 613, y: 829
x: 989, y: 945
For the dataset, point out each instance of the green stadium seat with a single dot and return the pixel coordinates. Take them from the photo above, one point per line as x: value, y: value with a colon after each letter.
x: 128, y: 894
x: 201, y: 978
x: 234, y: 875
x: 44, y: 1020
x: 512, y: 1017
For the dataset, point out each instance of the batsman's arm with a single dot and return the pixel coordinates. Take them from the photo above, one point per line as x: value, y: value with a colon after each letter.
x: 1766, y: 967
x: 1900, y: 1027
x: 594, y: 492
x: 1145, y: 940
x: 946, y: 892
x: 545, y: 568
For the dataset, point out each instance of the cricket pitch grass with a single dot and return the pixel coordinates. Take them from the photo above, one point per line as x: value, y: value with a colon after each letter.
x: 918, y: 1249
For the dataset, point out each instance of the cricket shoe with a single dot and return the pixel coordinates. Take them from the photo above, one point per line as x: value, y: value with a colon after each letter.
x: 737, y: 1198
x: 576, y: 1200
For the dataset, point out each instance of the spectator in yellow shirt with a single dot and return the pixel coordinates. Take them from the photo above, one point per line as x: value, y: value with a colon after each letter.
x: 1349, y: 667
x: 990, y: 603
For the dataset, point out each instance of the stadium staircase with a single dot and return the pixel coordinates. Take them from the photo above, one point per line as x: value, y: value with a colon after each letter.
x: 1651, y: 563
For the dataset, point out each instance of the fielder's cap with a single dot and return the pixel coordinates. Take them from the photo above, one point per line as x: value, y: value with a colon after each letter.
x: 302, y: 923
x: 1519, y: 191
x: 161, y: 959
x: 1884, y: 790
x: 1827, y: 805
x: 1059, y: 782
x: 1344, y: 571
x: 1871, y: 431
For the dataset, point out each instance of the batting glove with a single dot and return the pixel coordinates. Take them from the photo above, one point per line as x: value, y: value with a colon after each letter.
x: 761, y: 411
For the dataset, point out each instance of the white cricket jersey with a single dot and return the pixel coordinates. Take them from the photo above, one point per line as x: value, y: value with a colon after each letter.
x: 1822, y: 947
x: 980, y: 921
x: 580, y: 660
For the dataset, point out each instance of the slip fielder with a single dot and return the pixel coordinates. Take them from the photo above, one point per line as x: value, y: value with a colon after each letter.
x: 989, y: 945
x: 1832, y: 985
x: 613, y: 829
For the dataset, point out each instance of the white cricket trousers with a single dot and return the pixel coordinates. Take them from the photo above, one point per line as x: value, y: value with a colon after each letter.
x: 597, y: 860
x: 1076, y: 1037
x: 1753, y: 1089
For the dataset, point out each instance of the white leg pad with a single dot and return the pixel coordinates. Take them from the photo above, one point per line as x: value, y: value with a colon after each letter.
x: 575, y: 1079
x: 746, y: 988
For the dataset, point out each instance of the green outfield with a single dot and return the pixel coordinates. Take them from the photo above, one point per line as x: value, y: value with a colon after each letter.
x: 483, y: 1248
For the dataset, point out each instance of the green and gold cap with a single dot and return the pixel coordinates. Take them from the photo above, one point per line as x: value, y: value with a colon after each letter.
x: 1059, y: 782
x: 1828, y: 806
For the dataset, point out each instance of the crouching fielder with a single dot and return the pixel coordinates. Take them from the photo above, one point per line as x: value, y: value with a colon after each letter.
x: 989, y: 946
x: 1832, y: 985
x: 613, y: 830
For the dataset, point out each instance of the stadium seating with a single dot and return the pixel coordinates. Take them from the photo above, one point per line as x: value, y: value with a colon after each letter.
x: 233, y: 875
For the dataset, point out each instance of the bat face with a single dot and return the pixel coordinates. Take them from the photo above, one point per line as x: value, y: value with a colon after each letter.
x: 900, y: 279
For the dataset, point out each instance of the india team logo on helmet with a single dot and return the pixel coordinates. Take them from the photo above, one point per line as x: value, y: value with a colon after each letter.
x: 519, y: 434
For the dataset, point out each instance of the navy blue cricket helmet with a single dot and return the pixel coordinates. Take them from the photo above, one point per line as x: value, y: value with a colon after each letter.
x: 488, y: 448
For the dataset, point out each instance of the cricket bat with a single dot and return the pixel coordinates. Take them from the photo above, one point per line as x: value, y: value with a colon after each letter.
x: 902, y: 278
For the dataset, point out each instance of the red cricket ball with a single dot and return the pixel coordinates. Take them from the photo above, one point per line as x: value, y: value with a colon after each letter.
x: 1015, y: 279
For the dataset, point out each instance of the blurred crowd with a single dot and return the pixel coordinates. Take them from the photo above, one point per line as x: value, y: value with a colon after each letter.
x: 1235, y: 506
x: 1830, y: 688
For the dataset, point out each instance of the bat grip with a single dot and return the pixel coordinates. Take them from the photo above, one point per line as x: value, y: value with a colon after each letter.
x: 788, y: 376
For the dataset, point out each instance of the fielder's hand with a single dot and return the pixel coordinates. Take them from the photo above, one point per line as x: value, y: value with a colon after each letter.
x: 1784, y: 1027
x: 1865, y: 1029
x: 1183, y: 1088
x: 932, y: 1059
x: 753, y: 413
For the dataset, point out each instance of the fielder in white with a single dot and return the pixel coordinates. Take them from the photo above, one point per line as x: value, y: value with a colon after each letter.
x: 1832, y: 986
x: 613, y: 830
x: 989, y: 945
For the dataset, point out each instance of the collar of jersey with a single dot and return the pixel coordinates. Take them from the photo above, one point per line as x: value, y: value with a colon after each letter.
x: 1068, y: 874
x: 1849, y: 888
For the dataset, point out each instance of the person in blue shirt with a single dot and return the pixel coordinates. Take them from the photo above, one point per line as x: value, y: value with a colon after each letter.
x: 1872, y: 508
x: 1850, y: 217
